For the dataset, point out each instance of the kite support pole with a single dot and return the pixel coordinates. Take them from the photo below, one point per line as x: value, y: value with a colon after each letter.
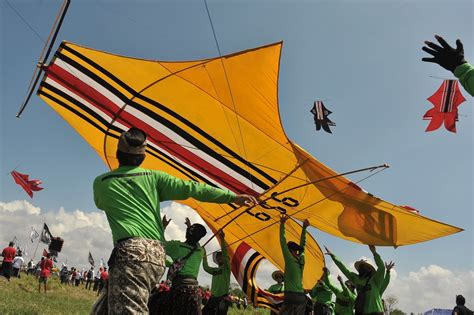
x: 372, y: 168
x: 40, y: 65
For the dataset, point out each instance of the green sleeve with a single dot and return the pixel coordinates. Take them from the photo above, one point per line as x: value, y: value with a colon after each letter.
x: 346, y: 291
x: 172, y: 188
x: 284, y: 247
x: 225, y: 254
x: 207, y: 268
x: 303, y: 238
x: 171, y: 248
x: 386, y: 281
x: 96, y: 195
x: 331, y: 286
x: 380, y: 273
x: 349, y: 274
x: 465, y: 74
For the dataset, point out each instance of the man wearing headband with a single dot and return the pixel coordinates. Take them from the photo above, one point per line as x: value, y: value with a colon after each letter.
x: 131, y: 196
x: 295, y: 298
x: 219, y: 303
x: 368, y: 281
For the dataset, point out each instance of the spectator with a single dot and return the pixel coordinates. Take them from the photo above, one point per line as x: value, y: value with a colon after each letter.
x: 45, y: 265
x: 8, y: 254
x: 460, y: 309
x: 104, y: 278
x: 90, y: 278
x: 17, y: 263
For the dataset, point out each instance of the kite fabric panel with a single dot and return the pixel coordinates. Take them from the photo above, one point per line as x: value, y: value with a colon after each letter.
x: 223, y: 128
x: 28, y: 185
x: 446, y: 101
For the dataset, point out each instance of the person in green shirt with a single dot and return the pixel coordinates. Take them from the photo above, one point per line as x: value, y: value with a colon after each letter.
x: 278, y: 287
x: 451, y: 59
x: 130, y: 196
x: 345, y: 296
x: 368, y: 282
x: 219, y: 302
x: 295, y: 298
x: 322, y: 297
x: 386, y: 281
x: 183, y: 296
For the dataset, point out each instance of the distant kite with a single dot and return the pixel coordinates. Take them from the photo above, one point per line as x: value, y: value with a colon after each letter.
x: 321, y: 114
x: 28, y: 185
x: 446, y: 101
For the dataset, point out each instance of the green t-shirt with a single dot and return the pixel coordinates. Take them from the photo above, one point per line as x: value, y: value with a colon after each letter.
x: 220, y: 275
x: 321, y: 293
x: 178, y: 249
x: 131, y: 196
x: 373, y: 297
x: 465, y: 74
x: 277, y: 288
x: 294, y: 267
x: 345, y: 298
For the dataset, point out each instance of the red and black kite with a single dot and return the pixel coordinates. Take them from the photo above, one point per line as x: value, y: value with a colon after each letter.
x: 446, y: 101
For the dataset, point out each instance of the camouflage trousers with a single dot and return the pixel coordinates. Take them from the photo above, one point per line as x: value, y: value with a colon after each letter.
x: 135, y: 266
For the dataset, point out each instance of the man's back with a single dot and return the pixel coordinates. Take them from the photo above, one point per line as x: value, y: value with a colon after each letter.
x: 8, y: 254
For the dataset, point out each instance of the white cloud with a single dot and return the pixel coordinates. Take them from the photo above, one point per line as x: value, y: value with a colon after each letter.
x: 418, y: 291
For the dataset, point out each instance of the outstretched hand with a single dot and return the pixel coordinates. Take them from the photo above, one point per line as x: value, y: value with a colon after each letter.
x: 165, y: 222
x: 306, y: 223
x: 283, y: 218
x: 245, y: 200
x: 372, y: 249
x: 187, y: 222
x: 389, y: 266
x: 445, y: 55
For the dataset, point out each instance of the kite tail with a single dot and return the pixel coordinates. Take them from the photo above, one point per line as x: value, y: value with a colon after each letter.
x: 450, y: 121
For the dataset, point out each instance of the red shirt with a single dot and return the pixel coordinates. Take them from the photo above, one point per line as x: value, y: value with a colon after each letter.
x: 8, y: 254
x: 104, y: 275
x: 46, y: 266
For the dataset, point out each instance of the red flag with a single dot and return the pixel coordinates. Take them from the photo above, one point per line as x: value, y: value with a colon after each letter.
x: 28, y: 185
x: 446, y: 101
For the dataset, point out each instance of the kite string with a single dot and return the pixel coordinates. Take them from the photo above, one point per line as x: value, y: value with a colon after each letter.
x: 316, y: 202
x: 230, y: 92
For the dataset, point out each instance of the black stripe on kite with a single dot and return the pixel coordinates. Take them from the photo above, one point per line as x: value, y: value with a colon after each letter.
x: 447, y: 99
x: 246, y: 270
x: 167, y: 110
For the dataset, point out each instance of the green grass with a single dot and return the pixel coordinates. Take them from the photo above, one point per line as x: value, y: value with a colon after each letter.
x: 21, y: 297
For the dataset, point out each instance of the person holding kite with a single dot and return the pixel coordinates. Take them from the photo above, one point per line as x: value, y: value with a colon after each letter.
x: 131, y: 196
x: 368, y: 281
x: 219, y: 302
x: 183, y: 297
x: 345, y: 296
x: 451, y: 59
x: 295, y: 298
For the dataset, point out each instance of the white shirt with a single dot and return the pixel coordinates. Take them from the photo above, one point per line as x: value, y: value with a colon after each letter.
x: 17, y: 262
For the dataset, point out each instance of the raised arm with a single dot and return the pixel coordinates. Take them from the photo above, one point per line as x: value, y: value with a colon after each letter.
x: 284, y: 247
x: 465, y: 74
x: 303, y: 234
x: 205, y: 265
x: 329, y: 284
x: 380, y: 273
x: 225, y: 254
x: 386, y: 279
x: 349, y: 274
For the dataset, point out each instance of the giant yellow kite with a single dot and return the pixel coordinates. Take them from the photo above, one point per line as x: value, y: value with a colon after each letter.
x: 217, y: 121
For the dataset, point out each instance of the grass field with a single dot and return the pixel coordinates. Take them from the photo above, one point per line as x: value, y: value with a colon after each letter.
x: 21, y: 297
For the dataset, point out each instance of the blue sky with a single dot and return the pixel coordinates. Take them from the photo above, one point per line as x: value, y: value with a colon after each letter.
x: 363, y: 57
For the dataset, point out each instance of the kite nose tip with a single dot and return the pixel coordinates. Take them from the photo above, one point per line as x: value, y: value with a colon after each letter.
x: 386, y: 165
